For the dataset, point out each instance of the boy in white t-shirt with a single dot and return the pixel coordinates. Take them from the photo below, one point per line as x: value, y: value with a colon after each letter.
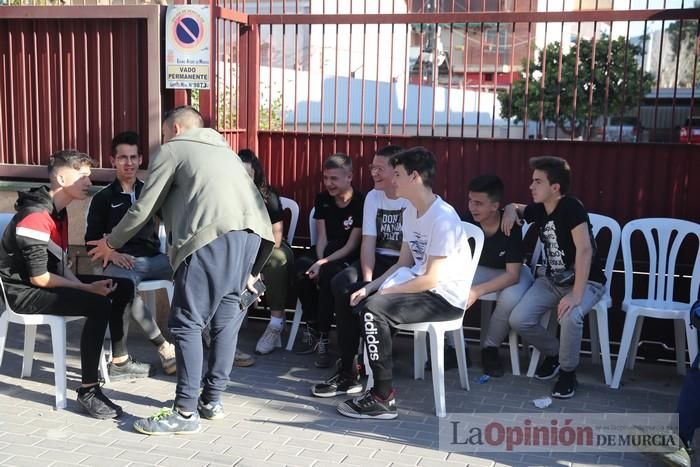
x: 429, y: 282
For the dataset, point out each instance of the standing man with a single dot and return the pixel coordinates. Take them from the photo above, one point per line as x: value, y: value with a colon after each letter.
x: 140, y: 258
x: 220, y: 237
x: 34, y: 269
x: 572, y: 282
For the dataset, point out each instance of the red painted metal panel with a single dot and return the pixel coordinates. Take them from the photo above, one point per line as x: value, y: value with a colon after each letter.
x: 70, y: 84
x: 622, y: 180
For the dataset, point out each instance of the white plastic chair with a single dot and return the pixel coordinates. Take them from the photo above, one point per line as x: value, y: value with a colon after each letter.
x: 659, y: 301
x: 57, y: 324
x: 156, y: 284
x: 436, y: 331
x: 298, y: 312
x: 598, y: 317
x: 487, y: 304
x: 288, y: 203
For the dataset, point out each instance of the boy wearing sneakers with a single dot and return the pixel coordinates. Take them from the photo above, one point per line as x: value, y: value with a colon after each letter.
x: 572, y: 282
x: 140, y: 258
x: 37, y: 279
x: 338, y: 217
x: 501, y: 267
x: 428, y: 283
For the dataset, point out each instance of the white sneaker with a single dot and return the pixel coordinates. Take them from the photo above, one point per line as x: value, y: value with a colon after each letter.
x: 270, y: 340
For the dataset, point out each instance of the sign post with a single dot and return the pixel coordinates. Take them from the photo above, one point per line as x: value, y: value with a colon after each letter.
x: 187, y: 42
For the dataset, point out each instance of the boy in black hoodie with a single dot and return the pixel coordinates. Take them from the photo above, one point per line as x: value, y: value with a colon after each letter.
x: 37, y: 280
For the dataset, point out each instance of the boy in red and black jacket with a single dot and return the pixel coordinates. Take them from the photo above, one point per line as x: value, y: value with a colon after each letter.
x: 38, y: 281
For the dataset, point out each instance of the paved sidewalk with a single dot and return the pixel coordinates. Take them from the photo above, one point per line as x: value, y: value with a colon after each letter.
x: 273, y: 420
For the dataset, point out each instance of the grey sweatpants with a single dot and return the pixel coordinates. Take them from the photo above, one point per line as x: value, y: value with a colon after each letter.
x: 544, y: 296
x: 208, y: 285
x: 508, y: 298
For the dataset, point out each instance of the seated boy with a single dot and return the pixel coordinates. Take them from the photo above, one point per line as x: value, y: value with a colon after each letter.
x: 33, y: 257
x: 573, y: 281
x: 428, y: 283
x: 339, y: 225
x: 140, y: 258
x: 501, y: 267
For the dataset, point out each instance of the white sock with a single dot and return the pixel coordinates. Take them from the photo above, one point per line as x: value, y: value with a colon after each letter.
x: 276, y: 322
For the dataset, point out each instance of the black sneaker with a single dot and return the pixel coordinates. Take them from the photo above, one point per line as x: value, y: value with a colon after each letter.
x: 132, y: 369
x: 168, y: 422
x: 308, y: 343
x: 339, y: 383
x: 548, y: 369
x: 213, y: 410
x: 491, y: 362
x: 565, y: 386
x: 95, y: 403
x: 324, y: 359
x: 370, y: 405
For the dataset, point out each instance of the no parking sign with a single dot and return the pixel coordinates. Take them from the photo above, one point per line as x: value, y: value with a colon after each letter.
x: 187, y: 29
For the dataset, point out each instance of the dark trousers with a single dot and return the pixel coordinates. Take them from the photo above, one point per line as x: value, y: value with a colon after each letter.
x: 317, y: 297
x: 379, y: 313
x: 208, y: 285
x: 99, y: 312
x: 343, y: 285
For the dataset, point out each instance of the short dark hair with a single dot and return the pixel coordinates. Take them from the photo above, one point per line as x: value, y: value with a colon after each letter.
x: 130, y: 138
x: 69, y: 158
x: 338, y: 161
x: 557, y: 170
x: 390, y: 150
x: 184, y: 113
x: 417, y: 159
x: 492, y: 185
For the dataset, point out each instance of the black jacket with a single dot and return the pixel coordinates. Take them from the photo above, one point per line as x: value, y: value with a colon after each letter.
x: 108, y: 207
x: 35, y: 242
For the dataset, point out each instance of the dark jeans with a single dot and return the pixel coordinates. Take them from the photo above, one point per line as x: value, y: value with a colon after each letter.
x: 99, y: 312
x: 343, y: 285
x: 317, y: 297
x: 208, y: 285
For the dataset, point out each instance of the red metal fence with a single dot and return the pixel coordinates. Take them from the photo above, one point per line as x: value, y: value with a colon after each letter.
x: 72, y: 77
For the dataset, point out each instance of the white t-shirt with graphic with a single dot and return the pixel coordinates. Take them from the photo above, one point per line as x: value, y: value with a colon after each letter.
x: 383, y: 218
x: 438, y: 232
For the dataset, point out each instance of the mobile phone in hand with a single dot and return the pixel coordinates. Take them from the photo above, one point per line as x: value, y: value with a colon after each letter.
x: 248, y: 297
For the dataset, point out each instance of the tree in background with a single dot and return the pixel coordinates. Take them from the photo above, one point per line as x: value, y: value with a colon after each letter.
x: 620, y: 74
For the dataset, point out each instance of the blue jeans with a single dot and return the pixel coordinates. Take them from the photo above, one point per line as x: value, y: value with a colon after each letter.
x: 145, y: 268
x: 544, y: 296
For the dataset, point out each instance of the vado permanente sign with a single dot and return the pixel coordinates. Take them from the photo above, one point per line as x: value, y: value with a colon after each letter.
x: 187, y: 30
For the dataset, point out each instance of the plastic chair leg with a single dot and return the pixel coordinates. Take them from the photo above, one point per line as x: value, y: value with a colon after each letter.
x: 634, y: 348
x: 437, y: 344
x: 4, y: 324
x: 625, y: 343
x: 593, y: 328
x: 458, y: 337
x: 601, y: 319
x: 295, y: 326
x: 692, y: 338
x: 679, y: 333
x: 486, y: 310
x: 170, y: 291
x: 514, y: 352
x: 58, y: 339
x: 29, y: 340
x: 419, y: 355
